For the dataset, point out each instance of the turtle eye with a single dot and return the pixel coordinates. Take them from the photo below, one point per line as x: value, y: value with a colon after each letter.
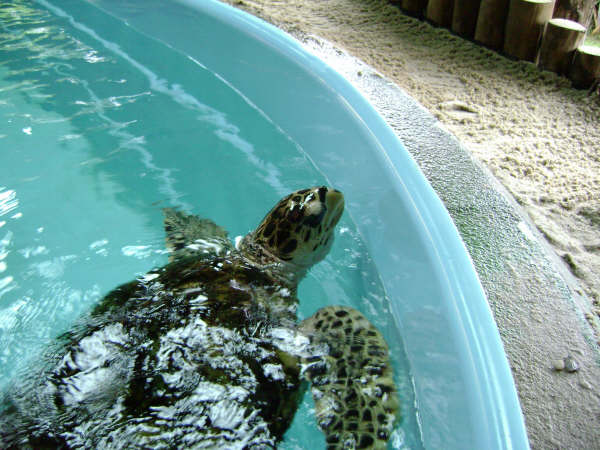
x: 296, y: 213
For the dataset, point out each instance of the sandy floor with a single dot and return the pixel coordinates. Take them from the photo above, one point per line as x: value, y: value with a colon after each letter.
x: 538, y: 136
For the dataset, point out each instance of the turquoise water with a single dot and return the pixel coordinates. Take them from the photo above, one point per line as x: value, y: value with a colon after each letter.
x: 101, y: 127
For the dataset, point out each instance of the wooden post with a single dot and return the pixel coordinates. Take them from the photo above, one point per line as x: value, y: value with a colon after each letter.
x: 440, y: 12
x: 525, y: 26
x: 464, y: 17
x: 581, y: 11
x: 561, y: 38
x: 491, y: 23
x: 586, y: 66
x: 414, y: 7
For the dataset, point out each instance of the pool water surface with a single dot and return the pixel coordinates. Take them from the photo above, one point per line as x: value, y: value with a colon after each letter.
x: 102, y: 127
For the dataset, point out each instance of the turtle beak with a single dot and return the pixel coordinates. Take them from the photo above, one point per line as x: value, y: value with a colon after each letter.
x: 334, y: 200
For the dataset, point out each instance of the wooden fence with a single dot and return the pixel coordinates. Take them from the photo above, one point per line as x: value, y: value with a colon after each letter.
x: 522, y: 29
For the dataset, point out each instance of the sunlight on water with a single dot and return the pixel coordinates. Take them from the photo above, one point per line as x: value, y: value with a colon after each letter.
x: 101, y: 128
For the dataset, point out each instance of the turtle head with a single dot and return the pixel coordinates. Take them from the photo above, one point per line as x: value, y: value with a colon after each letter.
x: 299, y: 229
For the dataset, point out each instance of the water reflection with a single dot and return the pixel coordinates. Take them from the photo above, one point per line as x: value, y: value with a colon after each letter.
x: 105, y: 126
x: 8, y: 201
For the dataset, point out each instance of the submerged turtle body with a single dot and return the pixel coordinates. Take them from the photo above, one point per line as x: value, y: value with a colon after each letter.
x: 206, y: 352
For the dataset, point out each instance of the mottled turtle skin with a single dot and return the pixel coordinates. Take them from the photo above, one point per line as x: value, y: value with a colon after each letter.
x: 206, y: 351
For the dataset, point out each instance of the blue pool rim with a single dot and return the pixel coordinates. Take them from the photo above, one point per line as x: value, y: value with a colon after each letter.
x: 491, y: 407
x: 502, y: 411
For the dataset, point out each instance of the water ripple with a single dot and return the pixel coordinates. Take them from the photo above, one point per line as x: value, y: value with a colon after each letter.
x: 8, y: 201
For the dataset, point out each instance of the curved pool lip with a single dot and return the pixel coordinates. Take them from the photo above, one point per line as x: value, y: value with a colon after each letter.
x: 465, y: 391
x: 502, y: 420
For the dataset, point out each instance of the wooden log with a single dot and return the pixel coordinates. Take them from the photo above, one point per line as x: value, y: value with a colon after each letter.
x: 491, y: 23
x: 561, y: 38
x: 525, y: 27
x: 440, y: 12
x: 581, y: 11
x: 586, y: 66
x: 464, y: 17
x: 414, y: 7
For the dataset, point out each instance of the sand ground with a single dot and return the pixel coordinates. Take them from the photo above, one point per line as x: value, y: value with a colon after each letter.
x: 536, y: 134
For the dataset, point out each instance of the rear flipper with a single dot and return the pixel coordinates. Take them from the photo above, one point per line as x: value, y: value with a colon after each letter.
x: 189, y: 235
x: 352, y: 380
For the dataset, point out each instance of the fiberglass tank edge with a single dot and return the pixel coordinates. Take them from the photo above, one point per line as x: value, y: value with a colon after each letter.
x: 493, y: 406
x: 506, y: 423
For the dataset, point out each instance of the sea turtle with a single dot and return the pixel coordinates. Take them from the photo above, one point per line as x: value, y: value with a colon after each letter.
x: 206, y: 352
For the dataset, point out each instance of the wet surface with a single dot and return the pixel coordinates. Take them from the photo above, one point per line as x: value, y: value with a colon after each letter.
x: 535, y: 301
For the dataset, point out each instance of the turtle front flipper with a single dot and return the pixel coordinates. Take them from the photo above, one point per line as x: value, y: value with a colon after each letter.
x: 352, y: 380
x: 189, y: 235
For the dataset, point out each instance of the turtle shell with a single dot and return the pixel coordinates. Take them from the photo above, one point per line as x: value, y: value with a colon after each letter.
x: 180, y: 357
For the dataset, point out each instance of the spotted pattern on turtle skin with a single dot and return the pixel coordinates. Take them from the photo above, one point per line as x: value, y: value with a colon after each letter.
x: 299, y: 226
x: 352, y: 381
